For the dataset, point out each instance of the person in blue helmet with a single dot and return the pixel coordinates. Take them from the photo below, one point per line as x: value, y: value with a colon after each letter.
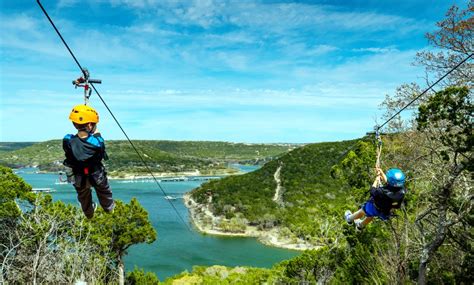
x: 383, y: 199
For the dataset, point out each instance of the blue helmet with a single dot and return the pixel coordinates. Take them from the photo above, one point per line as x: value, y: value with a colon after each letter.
x: 395, y: 177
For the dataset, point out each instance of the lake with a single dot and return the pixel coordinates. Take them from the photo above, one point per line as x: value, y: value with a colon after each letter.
x: 177, y: 249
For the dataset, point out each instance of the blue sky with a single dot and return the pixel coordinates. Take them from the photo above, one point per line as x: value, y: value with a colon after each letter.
x: 243, y: 71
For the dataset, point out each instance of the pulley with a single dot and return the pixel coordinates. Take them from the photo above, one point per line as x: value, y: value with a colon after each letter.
x: 84, y: 82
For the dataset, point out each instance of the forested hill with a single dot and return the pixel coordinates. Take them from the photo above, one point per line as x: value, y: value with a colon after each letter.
x: 10, y: 146
x: 310, y: 199
x: 162, y: 156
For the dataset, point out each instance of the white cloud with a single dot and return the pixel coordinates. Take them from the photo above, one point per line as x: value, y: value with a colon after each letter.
x: 134, y: 3
x: 260, y: 115
x: 27, y: 33
x: 301, y: 49
x: 269, y: 16
x: 232, y: 38
x: 67, y: 3
x: 234, y: 60
x: 392, y: 67
x: 284, y: 70
x: 21, y: 22
x: 376, y: 49
x: 202, y: 12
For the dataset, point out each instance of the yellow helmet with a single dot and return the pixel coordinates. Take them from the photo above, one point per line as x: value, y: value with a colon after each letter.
x: 83, y: 114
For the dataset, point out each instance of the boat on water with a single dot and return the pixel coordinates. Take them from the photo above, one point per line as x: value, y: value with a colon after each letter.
x: 134, y: 180
x: 170, y: 198
x: 43, y: 190
x: 174, y: 179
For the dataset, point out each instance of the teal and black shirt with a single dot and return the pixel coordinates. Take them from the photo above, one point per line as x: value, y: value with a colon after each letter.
x: 84, y: 152
x: 387, y: 198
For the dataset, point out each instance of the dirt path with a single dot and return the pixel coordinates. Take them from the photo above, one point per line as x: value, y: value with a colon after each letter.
x: 279, y: 189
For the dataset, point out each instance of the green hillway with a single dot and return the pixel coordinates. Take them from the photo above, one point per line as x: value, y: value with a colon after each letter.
x: 161, y: 156
x: 305, y: 210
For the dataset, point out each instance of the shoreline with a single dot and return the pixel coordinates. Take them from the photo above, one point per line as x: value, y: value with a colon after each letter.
x: 112, y: 175
x: 187, y: 174
x: 145, y: 176
x: 267, y: 237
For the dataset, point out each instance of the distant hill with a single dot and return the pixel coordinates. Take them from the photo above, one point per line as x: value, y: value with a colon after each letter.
x: 309, y: 200
x: 10, y: 146
x: 162, y: 156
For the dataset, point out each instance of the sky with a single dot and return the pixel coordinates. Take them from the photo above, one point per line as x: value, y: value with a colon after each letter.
x: 240, y: 71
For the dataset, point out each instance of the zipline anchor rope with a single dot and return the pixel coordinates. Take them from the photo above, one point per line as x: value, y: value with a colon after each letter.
x: 379, y: 143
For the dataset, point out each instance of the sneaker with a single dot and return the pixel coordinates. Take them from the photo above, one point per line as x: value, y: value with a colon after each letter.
x: 347, y: 216
x: 94, y: 207
x: 359, y: 225
x: 110, y: 211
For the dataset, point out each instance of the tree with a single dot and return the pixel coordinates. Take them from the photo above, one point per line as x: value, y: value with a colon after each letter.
x: 50, y: 243
x: 117, y: 231
x: 312, y: 266
x: 42, y: 241
x: 13, y: 190
x: 453, y: 41
x: 139, y: 276
x: 356, y: 168
x: 440, y: 154
x: 447, y: 121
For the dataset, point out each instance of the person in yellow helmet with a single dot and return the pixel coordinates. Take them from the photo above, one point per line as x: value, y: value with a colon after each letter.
x: 84, y: 153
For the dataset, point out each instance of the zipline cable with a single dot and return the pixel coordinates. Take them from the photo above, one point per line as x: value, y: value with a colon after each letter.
x: 60, y: 36
x: 427, y: 89
x: 113, y: 116
x: 379, y: 127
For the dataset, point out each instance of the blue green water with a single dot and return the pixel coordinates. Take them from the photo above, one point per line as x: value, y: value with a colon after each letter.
x: 176, y: 249
x: 244, y: 167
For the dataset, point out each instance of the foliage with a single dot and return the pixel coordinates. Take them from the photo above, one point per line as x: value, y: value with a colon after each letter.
x: 42, y: 241
x: 310, y: 197
x: 440, y: 156
x: 315, y: 266
x: 450, y: 112
x: 50, y: 243
x: 446, y: 122
x: 12, y: 188
x: 223, y: 275
x: 453, y: 41
x: 9, y: 146
x: 127, y: 225
x: 356, y: 168
x: 139, y: 276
